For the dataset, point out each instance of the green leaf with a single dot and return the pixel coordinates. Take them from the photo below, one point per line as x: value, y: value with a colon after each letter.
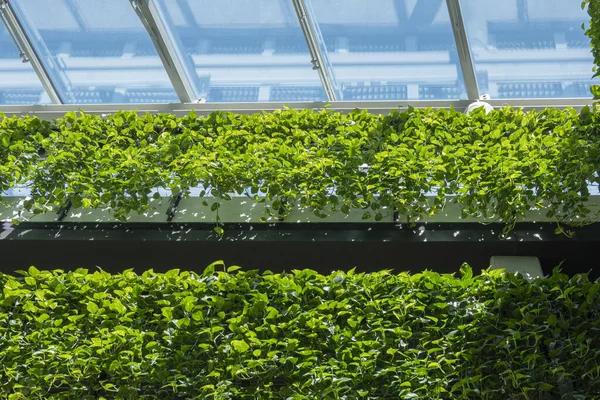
x: 210, y: 270
x: 167, y: 312
x: 233, y: 268
x: 466, y: 272
x: 92, y: 307
x: 33, y: 271
x: 240, y: 346
x: 591, y: 296
x: 198, y: 316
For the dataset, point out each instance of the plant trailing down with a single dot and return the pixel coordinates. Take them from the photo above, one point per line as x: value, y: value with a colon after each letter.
x: 593, y: 32
x: 496, y: 166
x: 233, y: 334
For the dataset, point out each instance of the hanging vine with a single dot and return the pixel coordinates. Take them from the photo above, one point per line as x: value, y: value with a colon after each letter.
x: 496, y: 166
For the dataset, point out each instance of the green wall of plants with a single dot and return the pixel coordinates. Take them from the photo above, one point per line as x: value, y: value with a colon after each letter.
x: 227, y: 333
x: 496, y: 166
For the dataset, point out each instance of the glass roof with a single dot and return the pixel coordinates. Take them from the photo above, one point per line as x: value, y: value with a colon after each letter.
x: 244, y: 50
x: 99, y: 51
x: 96, y: 51
x: 19, y: 83
x: 529, y: 48
x: 397, y: 50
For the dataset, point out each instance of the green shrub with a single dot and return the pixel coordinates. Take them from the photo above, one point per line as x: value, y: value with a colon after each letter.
x: 496, y: 166
x: 593, y: 32
x: 233, y: 334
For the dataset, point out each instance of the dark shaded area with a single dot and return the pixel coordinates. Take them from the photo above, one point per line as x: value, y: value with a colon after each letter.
x: 323, y: 247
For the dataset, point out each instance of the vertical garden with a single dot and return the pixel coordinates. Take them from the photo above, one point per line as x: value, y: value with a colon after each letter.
x: 225, y: 331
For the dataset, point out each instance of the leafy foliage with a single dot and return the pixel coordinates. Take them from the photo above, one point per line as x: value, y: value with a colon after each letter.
x: 496, y: 166
x: 233, y: 334
x: 593, y: 31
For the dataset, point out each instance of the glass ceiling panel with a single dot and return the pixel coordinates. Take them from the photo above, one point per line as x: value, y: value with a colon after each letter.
x: 529, y: 48
x: 244, y: 51
x: 20, y: 84
x: 96, y: 51
x: 391, y: 49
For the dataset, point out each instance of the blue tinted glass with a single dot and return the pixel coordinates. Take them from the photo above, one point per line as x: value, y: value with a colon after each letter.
x: 97, y: 51
x: 20, y: 85
x: 529, y: 48
x: 244, y: 50
x: 390, y: 49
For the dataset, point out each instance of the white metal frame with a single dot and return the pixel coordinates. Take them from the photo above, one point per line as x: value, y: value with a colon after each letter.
x: 240, y: 209
x: 464, y: 49
x: 377, y: 107
x: 26, y: 49
x: 179, y: 75
x: 320, y: 59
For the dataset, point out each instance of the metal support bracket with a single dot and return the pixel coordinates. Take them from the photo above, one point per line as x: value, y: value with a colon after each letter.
x: 167, y: 49
x: 319, y: 57
x: 64, y: 211
x: 174, y: 206
x: 4, y: 19
x: 26, y: 50
x: 463, y: 48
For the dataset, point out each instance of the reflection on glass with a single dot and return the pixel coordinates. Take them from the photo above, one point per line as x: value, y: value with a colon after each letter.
x: 391, y: 49
x: 20, y: 84
x: 97, y: 51
x: 529, y: 48
x: 244, y: 50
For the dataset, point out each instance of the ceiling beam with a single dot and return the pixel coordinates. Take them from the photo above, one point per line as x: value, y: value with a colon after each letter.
x: 522, y: 10
x: 401, y: 14
x: 187, y: 13
x: 77, y: 15
x: 424, y: 12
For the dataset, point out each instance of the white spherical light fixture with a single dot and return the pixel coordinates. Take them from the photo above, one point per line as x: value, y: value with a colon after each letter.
x: 487, y: 107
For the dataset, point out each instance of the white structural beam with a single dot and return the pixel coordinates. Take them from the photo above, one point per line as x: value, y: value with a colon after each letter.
x: 27, y: 51
x: 167, y: 50
x: 320, y: 59
x: 463, y: 48
x: 376, y: 107
x: 239, y: 209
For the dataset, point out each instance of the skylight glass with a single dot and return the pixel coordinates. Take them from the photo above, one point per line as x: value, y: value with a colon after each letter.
x: 391, y: 50
x: 244, y: 51
x: 96, y: 51
x: 19, y: 83
x: 529, y: 48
